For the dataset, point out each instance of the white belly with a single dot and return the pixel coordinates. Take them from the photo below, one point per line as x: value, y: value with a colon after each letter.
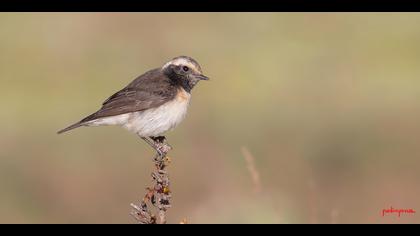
x: 151, y: 122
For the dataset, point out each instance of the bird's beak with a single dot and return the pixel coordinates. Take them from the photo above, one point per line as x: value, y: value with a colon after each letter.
x: 201, y: 77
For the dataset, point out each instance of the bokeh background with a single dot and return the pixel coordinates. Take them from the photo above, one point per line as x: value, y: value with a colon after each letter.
x: 308, y: 117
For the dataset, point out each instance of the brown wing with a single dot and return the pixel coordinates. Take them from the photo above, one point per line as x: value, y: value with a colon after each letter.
x: 149, y: 90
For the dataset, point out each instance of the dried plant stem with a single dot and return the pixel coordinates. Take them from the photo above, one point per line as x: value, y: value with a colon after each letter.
x: 158, y: 195
x: 255, y: 175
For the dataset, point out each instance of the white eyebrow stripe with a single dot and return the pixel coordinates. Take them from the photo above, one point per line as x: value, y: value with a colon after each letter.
x: 183, y: 61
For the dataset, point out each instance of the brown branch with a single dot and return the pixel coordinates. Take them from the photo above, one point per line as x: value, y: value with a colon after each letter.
x: 158, y: 195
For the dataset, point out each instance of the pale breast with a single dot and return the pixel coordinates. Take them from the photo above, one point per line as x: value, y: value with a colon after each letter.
x: 155, y: 121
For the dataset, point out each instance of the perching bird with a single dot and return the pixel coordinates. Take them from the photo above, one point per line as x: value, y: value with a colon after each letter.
x: 152, y: 104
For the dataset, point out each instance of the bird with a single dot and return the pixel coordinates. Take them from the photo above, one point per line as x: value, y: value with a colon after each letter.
x: 152, y: 104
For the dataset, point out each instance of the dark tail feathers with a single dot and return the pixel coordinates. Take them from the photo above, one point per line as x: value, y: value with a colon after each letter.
x: 73, y: 126
x: 78, y: 124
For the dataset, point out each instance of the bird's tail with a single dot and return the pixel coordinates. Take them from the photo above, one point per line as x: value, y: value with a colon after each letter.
x: 83, y: 122
x: 73, y: 126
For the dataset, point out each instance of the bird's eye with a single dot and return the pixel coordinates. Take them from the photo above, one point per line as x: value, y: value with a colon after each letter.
x: 185, y: 68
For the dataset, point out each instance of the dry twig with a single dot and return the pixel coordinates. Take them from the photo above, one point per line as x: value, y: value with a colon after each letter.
x: 250, y: 162
x: 158, y: 195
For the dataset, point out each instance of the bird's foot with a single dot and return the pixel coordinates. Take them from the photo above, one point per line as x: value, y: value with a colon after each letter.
x: 159, y: 139
x: 161, y: 146
x: 163, y: 149
x: 161, y: 157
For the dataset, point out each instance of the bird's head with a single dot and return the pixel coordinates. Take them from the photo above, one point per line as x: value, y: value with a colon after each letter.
x: 184, y: 70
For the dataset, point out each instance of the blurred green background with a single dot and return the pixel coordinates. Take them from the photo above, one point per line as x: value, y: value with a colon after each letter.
x: 327, y: 105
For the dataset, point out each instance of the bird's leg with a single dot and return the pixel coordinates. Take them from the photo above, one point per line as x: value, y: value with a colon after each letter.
x: 159, y: 145
x: 162, y: 146
x: 154, y: 145
x: 163, y: 141
x: 150, y: 142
